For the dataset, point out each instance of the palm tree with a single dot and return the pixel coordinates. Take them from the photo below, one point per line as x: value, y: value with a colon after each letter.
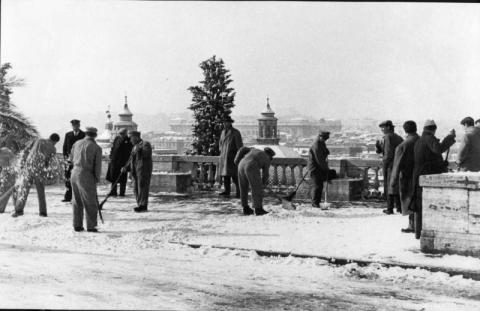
x: 15, y: 129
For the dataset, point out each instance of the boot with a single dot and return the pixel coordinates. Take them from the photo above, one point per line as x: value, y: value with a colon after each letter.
x: 140, y: 209
x: 16, y: 214
x: 247, y: 210
x: 410, y: 227
x: 79, y: 229
x: 388, y: 211
x: 260, y: 211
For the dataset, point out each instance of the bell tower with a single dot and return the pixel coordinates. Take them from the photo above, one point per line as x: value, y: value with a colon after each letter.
x: 267, y: 127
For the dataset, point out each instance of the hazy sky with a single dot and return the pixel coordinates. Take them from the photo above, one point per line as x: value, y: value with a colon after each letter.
x: 394, y: 60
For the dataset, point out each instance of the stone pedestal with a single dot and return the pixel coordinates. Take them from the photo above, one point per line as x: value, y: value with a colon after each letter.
x: 451, y: 213
x: 171, y: 182
x: 341, y: 189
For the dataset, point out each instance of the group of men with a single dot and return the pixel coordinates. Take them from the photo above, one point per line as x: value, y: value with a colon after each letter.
x: 83, y: 166
x: 247, y: 168
x: 405, y: 160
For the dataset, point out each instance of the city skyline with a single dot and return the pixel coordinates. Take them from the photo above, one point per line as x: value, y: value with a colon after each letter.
x: 331, y: 60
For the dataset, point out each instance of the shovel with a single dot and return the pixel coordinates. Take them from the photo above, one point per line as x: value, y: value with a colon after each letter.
x: 325, y: 205
x: 289, y: 197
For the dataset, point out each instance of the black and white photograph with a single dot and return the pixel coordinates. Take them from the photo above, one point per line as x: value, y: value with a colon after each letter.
x: 251, y: 155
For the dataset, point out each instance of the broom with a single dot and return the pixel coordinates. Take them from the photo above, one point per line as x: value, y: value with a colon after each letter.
x: 325, y: 205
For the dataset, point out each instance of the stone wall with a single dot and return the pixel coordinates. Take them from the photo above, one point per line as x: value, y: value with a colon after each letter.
x: 451, y: 213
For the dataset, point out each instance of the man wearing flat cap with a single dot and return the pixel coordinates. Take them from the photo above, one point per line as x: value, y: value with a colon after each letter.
x: 253, y: 173
x: 317, y: 167
x: 468, y: 158
x: 230, y: 142
x: 387, y: 148
x: 70, y: 138
x: 428, y: 160
x: 86, y: 158
x: 140, y: 166
x: 119, y: 155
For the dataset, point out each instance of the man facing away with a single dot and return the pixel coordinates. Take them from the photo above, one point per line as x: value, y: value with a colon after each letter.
x: 70, y: 138
x: 402, y: 173
x: 468, y: 158
x: 35, y: 161
x: 230, y: 142
x: 249, y: 176
x: 428, y: 160
x: 119, y: 155
x: 387, y: 148
x: 141, y: 167
x: 86, y: 158
x: 318, y: 167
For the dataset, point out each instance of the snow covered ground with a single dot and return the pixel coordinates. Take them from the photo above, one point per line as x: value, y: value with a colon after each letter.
x: 131, y: 263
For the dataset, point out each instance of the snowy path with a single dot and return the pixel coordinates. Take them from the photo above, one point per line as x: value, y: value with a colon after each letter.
x: 131, y: 265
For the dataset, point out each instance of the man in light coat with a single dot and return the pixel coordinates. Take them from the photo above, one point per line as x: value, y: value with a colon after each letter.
x: 119, y: 156
x: 387, y: 148
x: 317, y: 167
x: 141, y: 167
x: 249, y: 168
x: 428, y: 160
x: 402, y: 173
x: 86, y: 157
x: 468, y: 158
x: 36, y: 160
x: 230, y: 142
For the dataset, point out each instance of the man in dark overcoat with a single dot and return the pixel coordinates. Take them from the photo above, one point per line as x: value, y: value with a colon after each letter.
x: 86, y: 157
x: 428, y: 160
x: 468, y: 157
x: 37, y: 159
x: 249, y: 176
x: 402, y: 173
x: 230, y: 142
x: 70, y: 138
x: 317, y: 167
x: 387, y: 148
x: 141, y: 167
x: 119, y: 155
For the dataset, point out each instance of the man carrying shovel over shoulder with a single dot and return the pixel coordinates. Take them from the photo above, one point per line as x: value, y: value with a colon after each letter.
x: 318, y: 167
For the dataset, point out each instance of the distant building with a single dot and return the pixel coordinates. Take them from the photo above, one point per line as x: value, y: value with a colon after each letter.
x: 126, y: 120
x: 105, y: 139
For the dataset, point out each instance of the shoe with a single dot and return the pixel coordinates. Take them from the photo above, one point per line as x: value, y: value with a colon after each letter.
x: 224, y: 194
x: 316, y: 205
x: 78, y: 229
x: 140, y: 209
x: 388, y: 212
x: 65, y: 200
x: 92, y: 230
x: 407, y: 230
x: 42, y: 214
x: 16, y: 214
x: 248, y: 211
x: 121, y: 195
x: 260, y: 212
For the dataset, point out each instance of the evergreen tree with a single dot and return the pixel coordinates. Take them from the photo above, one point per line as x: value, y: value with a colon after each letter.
x: 15, y: 130
x: 212, y: 101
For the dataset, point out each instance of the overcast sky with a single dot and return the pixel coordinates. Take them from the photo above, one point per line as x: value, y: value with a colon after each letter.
x: 332, y: 60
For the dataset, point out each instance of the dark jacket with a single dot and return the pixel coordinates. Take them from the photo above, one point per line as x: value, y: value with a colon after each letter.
x: 119, y: 155
x: 230, y: 142
x: 468, y: 158
x: 428, y: 154
x: 69, y: 140
x: 402, y: 173
x: 254, y: 161
x: 317, y: 159
x: 141, y: 165
x: 387, y: 149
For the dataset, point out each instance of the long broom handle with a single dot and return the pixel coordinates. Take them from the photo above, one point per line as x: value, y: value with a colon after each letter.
x: 301, y: 181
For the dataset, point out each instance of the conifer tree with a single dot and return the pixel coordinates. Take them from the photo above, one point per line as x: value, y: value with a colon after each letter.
x: 212, y: 101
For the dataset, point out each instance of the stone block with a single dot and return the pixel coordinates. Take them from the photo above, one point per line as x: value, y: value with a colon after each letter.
x: 474, y: 212
x: 340, y: 189
x: 171, y: 182
x: 434, y: 241
x: 445, y: 209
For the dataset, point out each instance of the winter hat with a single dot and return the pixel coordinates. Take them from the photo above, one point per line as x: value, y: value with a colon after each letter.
x: 429, y: 122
